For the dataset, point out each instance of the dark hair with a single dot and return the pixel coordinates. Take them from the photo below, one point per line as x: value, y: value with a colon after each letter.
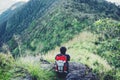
x: 63, y: 50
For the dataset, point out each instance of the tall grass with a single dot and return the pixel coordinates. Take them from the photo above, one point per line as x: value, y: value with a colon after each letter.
x: 33, y: 66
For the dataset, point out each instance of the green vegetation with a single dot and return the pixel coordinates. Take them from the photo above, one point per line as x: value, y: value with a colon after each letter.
x: 45, y: 24
x: 33, y: 66
x: 61, y: 23
x: 90, y: 30
x: 6, y: 64
x: 97, y: 47
x: 108, y: 46
x: 81, y: 50
x: 108, y: 43
x: 24, y: 66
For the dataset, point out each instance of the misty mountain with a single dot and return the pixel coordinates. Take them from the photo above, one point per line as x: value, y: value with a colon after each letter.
x: 9, y: 12
x: 23, y: 16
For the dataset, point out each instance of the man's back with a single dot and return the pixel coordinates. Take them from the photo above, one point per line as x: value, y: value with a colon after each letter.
x: 67, y: 56
x: 62, y: 58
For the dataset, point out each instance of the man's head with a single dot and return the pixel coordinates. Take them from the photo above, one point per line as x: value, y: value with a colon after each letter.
x: 63, y: 50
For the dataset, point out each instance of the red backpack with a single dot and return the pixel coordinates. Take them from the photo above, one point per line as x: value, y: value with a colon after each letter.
x: 60, y: 64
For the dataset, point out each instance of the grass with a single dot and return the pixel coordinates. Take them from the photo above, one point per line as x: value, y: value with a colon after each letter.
x: 11, y: 69
x: 82, y: 49
x: 33, y: 66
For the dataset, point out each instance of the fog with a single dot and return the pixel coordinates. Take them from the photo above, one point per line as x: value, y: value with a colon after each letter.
x: 5, y: 4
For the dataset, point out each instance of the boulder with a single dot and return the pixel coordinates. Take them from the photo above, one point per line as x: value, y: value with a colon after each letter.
x: 78, y: 71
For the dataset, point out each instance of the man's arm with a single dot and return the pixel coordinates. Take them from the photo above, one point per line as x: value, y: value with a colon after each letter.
x: 68, y: 57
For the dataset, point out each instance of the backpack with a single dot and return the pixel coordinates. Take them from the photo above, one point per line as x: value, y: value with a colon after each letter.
x: 61, y: 64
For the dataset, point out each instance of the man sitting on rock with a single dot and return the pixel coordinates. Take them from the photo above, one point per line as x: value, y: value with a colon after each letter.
x: 62, y: 62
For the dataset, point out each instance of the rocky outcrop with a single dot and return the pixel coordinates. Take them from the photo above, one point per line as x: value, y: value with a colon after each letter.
x: 78, y: 71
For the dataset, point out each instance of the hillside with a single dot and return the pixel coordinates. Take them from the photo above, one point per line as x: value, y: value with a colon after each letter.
x: 23, y: 17
x: 82, y: 50
x: 98, y: 48
x: 89, y: 29
x: 7, y: 14
x: 62, y: 20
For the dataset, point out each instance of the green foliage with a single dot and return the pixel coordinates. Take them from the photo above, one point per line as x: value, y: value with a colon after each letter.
x: 61, y: 22
x: 34, y: 68
x: 54, y: 30
x: 109, y: 47
x: 112, y: 75
x: 15, y: 52
x: 6, y: 60
x: 39, y: 73
x: 9, y: 71
x: 117, y: 74
x: 108, y: 28
x: 6, y: 64
x: 52, y: 25
x: 22, y: 19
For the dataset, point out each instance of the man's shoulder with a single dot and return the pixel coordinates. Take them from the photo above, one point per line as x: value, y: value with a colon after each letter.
x: 62, y: 54
x: 58, y: 54
x: 67, y: 54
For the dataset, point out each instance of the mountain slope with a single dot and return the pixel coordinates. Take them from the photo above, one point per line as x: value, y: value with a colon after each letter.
x: 9, y: 12
x: 61, y: 23
x: 40, y: 26
x: 21, y: 20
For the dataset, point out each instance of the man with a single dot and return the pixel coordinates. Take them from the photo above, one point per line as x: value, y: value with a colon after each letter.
x: 63, y: 57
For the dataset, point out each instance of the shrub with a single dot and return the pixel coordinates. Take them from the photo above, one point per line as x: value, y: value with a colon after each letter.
x: 33, y: 67
x: 6, y: 64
